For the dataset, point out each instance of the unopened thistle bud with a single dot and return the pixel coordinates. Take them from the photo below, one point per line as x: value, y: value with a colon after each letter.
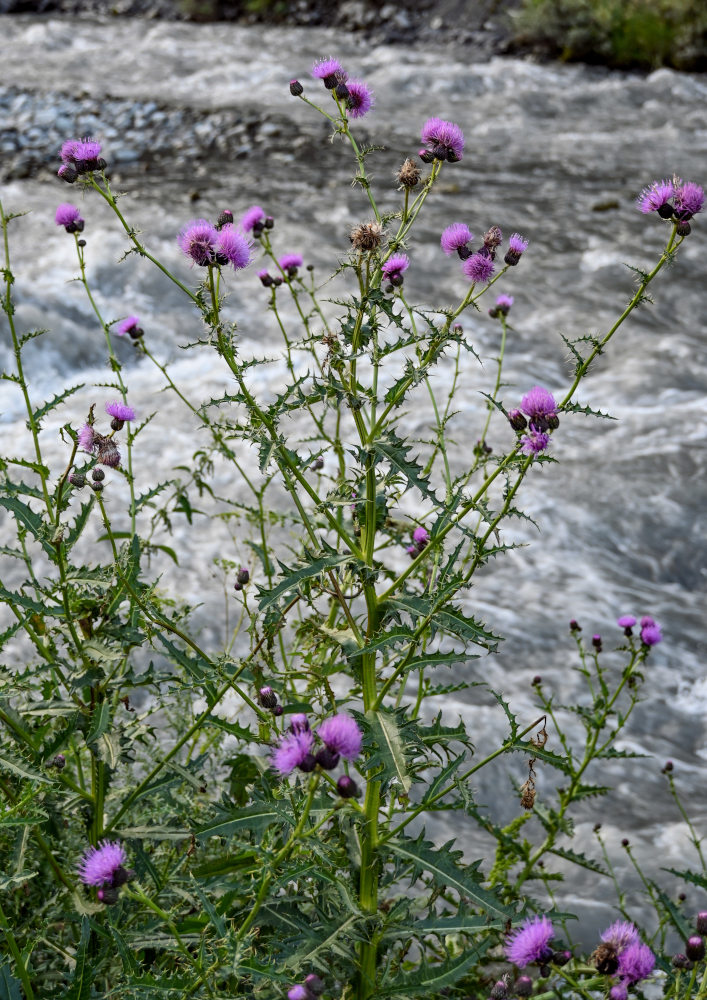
x: 701, y: 922
x: 499, y: 991
x: 277, y: 711
x: 683, y: 229
x: 318, y: 463
x: 575, y: 626
x: 308, y: 764
x: 108, y: 895
x: 314, y: 984
x: 98, y: 475
x: 596, y: 642
x: 517, y: 420
x: 695, y: 948
x: 77, y: 479
x: 225, y: 219
x: 296, y: 88
x: 96, y: 487
x: 408, y: 175
x: 366, y: 236
x: 327, y: 759
x: 681, y: 961
x: 347, y: 787
x: 243, y: 576
x: 342, y: 91
x: 267, y: 697
x: 59, y: 762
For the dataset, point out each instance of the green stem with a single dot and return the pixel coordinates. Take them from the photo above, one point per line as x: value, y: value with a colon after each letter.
x: 17, y: 955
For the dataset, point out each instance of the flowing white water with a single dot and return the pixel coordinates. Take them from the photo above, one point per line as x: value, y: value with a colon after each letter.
x: 622, y: 515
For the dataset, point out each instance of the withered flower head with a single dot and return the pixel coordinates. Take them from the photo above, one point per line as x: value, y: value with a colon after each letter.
x: 366, y: 236
x: 408, y: 175
x: 492, y: 238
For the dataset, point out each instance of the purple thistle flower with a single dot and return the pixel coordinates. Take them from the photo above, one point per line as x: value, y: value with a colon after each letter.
x: 618, y: 992
x: 530, y: 942
x: 689, y: 199
x: 69, y: 217
x: 128, y: 325
x: 517, y: 244
x: 538, y: 403
x: 299, y: 723
x: 621, y: 933
x: 445, y: 139
x: 99, y: 864
x: 290, y: 262
x: 292, y: 751
x: 87, y: 437
x: 412, y: 551
x: 83, y: 154
x: 655, y: 196
x: 636, y: 962
x: 478, y: 267
x: 625, y: 621
x: 395, y: 266
x: 360, y: 99
x: 197, y: 240
x: 326, y: 68
x: 121, y: 411
x: 421, y: 537
x: 647, y: 620
x: 252, y: 217
x: 534, y: 441
x: 455, y: 237
x: 299, y: 992
x: 341, y: 735
x: 651, y: 634
x: 504, y: 302
x: 232, y: 245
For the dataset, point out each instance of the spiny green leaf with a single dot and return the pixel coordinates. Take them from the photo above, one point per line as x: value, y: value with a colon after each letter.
x: 42, y: 411
x: 80, y: 988
x: 430, y: 979
x: 384, y: 730
x: 9, y: 986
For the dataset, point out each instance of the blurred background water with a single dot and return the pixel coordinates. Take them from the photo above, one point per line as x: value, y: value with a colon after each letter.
x: 195, y: 118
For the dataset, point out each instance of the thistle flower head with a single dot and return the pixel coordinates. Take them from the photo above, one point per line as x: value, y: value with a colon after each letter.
x: 421, y: 537
x: 689, y: 199
x: 655, y: 196
x: 328, y: 67
x: 534, y: 441
x: 290, y: 261
x: 651, y: 634
x: 504, y: 302
x: 69, y: 217
x: 530, y: 942
x: 408, y: 174
x: 128, y: 325
x: 198, y: 241
x: 341, y: 735
x: 395, y: 266
x: 366, y: 236
x: 99, y: 864
x: 478, y: 267
x: 86, y: 437
x: 292, y: 751
x: 254, y: 215
x: 232, y: 245
x: 636, y: 962
x: 517, y: 244
x: 121, y: 411
x: 360, y: 99
x: 444, y: 139
x: 455, y: 236
x: 538, y: 402
x: 620, y: 935
x: 83, y: 154
x: 625, y: 621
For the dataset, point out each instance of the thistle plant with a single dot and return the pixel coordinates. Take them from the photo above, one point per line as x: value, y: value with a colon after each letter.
x: 278, y: 847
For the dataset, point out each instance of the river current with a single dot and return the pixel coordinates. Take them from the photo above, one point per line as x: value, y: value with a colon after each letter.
x: 558, y: 153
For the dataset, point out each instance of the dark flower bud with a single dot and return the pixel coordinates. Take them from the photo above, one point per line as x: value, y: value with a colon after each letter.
x: 464, y: 252
x: 267, y: 697
x: 296, y: 88
x: 537, y: 680
x: 396, y: 280
x: 596, y: 827
x: 225, y: 218
x: 237, y: 586
x: 575, y: 626
x: 96, y: 487
x: 77, y: 479
x: 596, y: 642
x: 439, y: 153
x: 682, y: 897
x: 457, y: 328
x: 68, y: 173
x: 120, y: 877
x: 269, y: 222
x: 59, y: 762
x: 98, y: 475
x: 681, y: 961
x: 499, y: 991
x: 452, y: 156
x: 347, y: 787
x: 265, y: 279
x: 668, y: 767
x: 553, y: 421
x: 561, y: 957
x: 517, y: 420
x: 544, y: 971
x: 625, y: 842
x: 682, y: 215
x: 426, y: 155
x: 511, y: 258
x: 100, y: 164
x: 318, y: 463
x: 277, y: 280
x: 314, y: 984
x: 108, y: 453
x: 81, y: 243
x: 666, y: 211
x: 523, y: 986
x: 108, y: 895
x: 493, y: 313
x: 243, y: 576
x: 683, y: 229
x: 605, y: 959
x: 695, y: 948
x: 701, y: 922
x: 330, y: 81
x: 342, y: 91
x: 257, y: 230
x: 116, y: 424
x: 326, y: 758
x: 277, y: 711
x: 308, y: 764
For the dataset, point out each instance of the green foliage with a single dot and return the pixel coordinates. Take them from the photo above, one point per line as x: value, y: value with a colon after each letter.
x: 621, y: 33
